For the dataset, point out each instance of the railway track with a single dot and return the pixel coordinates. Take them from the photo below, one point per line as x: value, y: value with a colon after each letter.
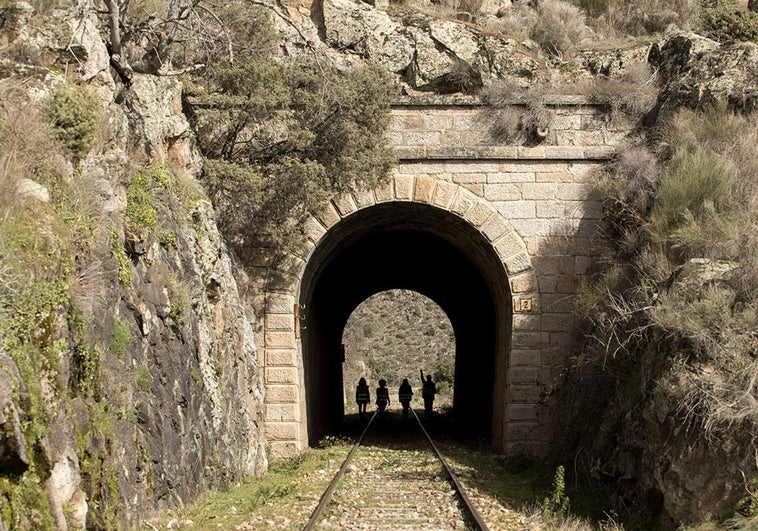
x: 403, y: 486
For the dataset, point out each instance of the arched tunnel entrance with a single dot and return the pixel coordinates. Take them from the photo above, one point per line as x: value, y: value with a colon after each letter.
x: 422, y: 248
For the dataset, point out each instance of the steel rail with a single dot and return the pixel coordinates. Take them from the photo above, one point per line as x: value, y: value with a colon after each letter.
x: 327, y: 495
x: 454, y: 478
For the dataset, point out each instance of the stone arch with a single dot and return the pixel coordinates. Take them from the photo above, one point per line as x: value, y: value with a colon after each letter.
x: 516, y: 385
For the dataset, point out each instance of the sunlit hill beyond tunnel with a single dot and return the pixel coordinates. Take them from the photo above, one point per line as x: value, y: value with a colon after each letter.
x: 420, y: 248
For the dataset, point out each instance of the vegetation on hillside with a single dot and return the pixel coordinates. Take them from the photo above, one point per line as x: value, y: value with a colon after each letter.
x: 673, y: 317
x: 694, y: 199
x: 37, y: 265
x: 562, y: 28
x: 58, y: 257
x: 284, y: 135
x: 393, y: 335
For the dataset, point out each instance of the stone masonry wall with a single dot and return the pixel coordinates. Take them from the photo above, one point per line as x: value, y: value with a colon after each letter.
x: 541, y: 201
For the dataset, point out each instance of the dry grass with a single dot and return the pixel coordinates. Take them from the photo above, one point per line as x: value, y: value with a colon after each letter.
x: 563, y: 27
x: 27, y: 146
x: 534, y: 520
x: 519, y: 113
x: 697, y: 202
x: 635, y: 92
x: 560, y: 28
x: 644, y: 17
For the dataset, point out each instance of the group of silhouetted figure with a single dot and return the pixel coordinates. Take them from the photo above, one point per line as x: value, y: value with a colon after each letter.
x: 404, y: 395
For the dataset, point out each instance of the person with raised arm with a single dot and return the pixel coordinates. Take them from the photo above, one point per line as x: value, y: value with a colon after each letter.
x: 427, y: 393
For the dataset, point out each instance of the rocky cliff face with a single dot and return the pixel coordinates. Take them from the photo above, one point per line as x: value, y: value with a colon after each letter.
x: 157, y: 395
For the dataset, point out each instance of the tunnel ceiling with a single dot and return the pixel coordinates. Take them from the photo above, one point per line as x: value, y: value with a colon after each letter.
x: 402, y: 246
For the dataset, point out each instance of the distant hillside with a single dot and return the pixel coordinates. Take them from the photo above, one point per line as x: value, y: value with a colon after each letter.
x: 392, y: 335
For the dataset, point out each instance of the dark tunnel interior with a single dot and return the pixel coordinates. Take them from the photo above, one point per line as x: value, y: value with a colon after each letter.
x: 413, y: 247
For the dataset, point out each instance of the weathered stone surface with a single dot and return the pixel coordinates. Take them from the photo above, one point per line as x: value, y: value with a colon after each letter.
x: 612, y: 63
x: 368, y: 32
x: 697, y: 72
x: 63, y: 483
x: 430, y: 64
x: 689, y: 279
x: 511, y: 62
x: 157, y: 112
x: 455, y: 38
x: 13, y: 451
x: 28, y: 188
x: 14, y: 19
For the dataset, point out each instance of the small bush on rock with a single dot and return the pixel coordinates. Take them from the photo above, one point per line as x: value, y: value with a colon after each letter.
x: 76, y: 118
x: 560, y: 28
x: 728, y: 20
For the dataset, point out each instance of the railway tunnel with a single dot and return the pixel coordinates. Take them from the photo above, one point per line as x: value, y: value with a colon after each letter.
x: 406, y: 245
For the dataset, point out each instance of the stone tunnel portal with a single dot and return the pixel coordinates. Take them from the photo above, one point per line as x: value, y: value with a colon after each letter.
x: 425, y: 249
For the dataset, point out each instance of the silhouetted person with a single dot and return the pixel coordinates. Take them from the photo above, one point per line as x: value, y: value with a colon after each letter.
x: 382, y: 397
x: 362, y: 396
x: 427, y: 393
x: 405, y: 394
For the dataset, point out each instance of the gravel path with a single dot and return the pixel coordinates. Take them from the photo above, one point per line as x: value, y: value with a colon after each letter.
x: 395, y: 488
x: 395, y: 482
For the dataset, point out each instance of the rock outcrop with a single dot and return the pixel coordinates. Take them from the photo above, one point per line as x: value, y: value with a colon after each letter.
x: 13, y: 449
x: 438, y: 55
x: 174, y: 410
x: 697, y: 72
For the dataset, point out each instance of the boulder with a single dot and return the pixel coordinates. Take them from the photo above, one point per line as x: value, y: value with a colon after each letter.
x: 428, y: 54
x: 363, y: 30
x: 696, y: 72
x: 693, y: 277
x: 33, y: 189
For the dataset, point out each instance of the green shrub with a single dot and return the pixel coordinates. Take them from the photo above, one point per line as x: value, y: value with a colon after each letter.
x: 76, y: 117
x: 140, y: 205
x: 168, y: 239
x: 285, y: 136
x: 178, y: 300
x: 98, y: 481
x: 122, y: 260
x: 728, y: 20
x: 24, y: 504
x: 84, y: 378
x: 143, y: 378
x: 694, y: 193
x: 121, y: 338
x: 748, y: 506
x: 556, y: 506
